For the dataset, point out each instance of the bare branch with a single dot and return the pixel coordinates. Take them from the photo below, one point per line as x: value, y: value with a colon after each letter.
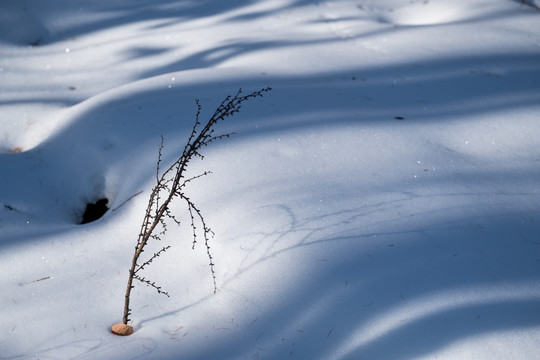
x: 141, y: 267
x: 152, y: 284
x: 171, y: 184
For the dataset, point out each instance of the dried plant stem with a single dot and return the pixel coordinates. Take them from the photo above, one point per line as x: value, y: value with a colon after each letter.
x: 170, y: 184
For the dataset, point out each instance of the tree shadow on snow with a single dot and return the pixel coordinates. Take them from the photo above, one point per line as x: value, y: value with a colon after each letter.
x: 367, y: 300
x: 385, y: 289
x: 410, y: 93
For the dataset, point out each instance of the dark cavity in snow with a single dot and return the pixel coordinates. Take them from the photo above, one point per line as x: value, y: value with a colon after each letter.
x: 95, y: 210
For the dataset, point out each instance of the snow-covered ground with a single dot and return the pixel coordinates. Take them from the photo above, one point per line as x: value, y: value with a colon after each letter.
x: 381, y: 202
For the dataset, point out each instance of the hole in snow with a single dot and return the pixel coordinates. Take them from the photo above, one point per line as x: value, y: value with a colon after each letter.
x: 95, y: 210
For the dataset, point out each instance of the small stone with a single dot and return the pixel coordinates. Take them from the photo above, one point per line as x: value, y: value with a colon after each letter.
x: 122, y: 329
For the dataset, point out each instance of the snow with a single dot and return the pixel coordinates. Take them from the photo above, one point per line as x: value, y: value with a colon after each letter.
x: 381, y: 202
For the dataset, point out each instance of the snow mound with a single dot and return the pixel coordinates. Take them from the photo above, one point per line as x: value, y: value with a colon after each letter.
x: 430, y: 12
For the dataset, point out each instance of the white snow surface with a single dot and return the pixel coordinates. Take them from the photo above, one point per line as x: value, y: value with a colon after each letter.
x: 381, y: 202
